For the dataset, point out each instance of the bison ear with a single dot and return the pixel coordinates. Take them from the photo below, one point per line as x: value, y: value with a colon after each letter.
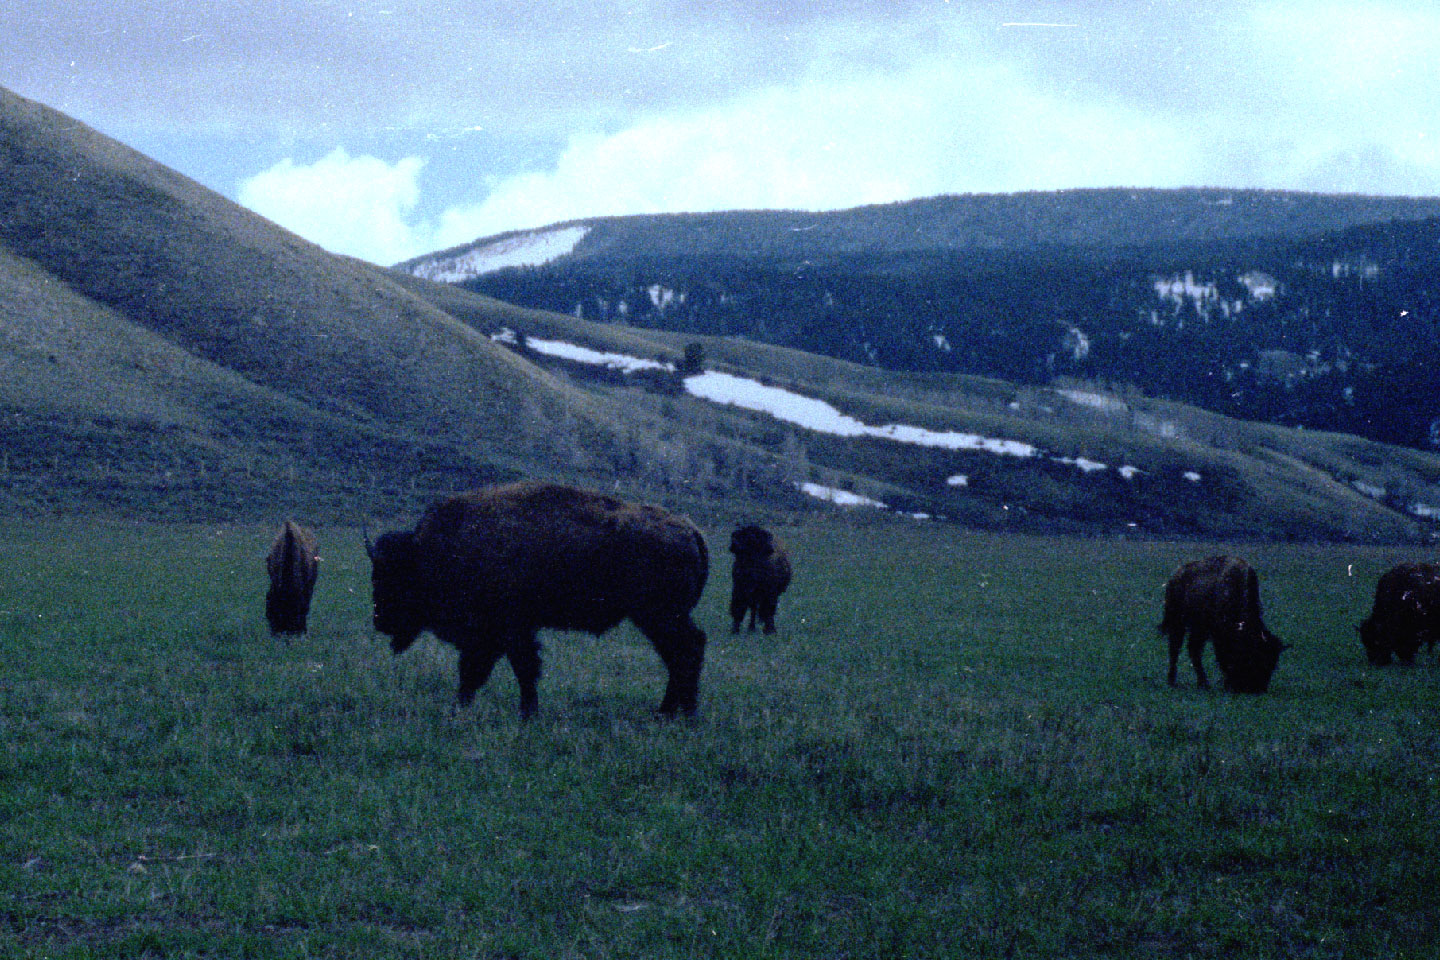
x: 369, y: 544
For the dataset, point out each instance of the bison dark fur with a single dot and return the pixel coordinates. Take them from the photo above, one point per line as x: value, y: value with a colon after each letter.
x: 1218, y: 599
x: 760, y: 574
x: 1406, y: 614
x: 293, y: 564
x: 485, y: 570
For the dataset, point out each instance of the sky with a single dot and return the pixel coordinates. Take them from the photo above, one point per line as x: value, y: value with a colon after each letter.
x: 385, y: 129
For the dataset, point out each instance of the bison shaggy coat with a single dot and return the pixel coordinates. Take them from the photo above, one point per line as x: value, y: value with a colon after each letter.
x: 485, y: 570
x: 1218, y: 599
x: 760, y: 574
x: 293, y: 564
x: 1406, y: 614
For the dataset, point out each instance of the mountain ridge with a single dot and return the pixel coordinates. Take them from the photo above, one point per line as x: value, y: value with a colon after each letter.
x: 165, y: 354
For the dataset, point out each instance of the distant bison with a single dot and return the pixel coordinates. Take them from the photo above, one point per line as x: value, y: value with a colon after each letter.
x: 293, y: 564
x: 485, y: 570
x: 1406, y: 614
x: 1218, y: 599
x: 761, y: 573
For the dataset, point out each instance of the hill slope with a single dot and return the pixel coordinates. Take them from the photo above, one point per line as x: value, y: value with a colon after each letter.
x: 165, y: 353
x: 1317, y: 311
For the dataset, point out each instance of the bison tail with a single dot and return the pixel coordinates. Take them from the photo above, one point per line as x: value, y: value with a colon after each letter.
x: 1173, y: 618
x: 704, y: 551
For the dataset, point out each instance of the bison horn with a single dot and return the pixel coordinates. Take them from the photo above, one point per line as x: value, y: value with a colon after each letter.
x: 369, y: 544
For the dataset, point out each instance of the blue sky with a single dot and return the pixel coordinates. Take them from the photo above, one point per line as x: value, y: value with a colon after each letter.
x: 388, y: 128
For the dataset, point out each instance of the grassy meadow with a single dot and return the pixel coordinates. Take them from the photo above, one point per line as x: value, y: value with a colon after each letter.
x: 956, y: 745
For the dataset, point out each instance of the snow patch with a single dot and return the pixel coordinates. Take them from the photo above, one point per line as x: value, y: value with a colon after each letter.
x: 1369, y: 489
x: 1083, y: 464
x: 1192, y: 476
x: 579, y: 354
x: 1095, y: 401
x: 533, y: 249
x: 843, y: 498
x: 958, y: 480
x: 817, y: 415
x: 1425, y: 510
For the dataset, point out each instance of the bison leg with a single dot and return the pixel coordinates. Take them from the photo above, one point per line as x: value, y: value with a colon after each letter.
x: 1197, y: 658
x: 767, y: 612
x: 737, y: 610
x: 681, y: 645
x: 524, y: 652
x: 475, y: 666
x: 1177, y: 640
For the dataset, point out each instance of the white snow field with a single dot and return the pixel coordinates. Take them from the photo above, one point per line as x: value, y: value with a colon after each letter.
x: 843, y: 498
x: 533, y: 249
x: 811, y: 414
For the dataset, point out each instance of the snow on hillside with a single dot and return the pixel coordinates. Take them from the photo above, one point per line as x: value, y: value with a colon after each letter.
x: 820, y: 416
x: 579, y: 354
x: 807, y: 412
x: 533, y: 249
x: 842, y: 498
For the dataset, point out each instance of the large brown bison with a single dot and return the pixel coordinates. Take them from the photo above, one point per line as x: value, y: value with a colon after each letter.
x: 1406, y: 614
x: 1218, y: 599
x: 760, y: 574
x: 293, y: 564
x: 485, y: 570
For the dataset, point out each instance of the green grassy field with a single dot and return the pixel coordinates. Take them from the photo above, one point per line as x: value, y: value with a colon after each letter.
x: 956, y: 745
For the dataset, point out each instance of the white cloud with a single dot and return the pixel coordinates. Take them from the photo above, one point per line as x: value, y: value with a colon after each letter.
x: 351, y: 205
x: 819, y: 145
x: 876, y: 139
x: 848, y: 126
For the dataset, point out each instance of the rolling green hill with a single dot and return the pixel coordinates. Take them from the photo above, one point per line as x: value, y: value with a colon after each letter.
x: 164, y: 353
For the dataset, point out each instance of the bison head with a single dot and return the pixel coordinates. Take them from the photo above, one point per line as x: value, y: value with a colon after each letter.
x: 1377, y: 649
x: 393, y: 585
x: 752, y: 542
x: 1254, y: 662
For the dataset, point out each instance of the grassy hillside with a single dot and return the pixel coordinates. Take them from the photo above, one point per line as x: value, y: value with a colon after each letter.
x: 166, y: 353
x: 957, y: 745
x: 152, y: 287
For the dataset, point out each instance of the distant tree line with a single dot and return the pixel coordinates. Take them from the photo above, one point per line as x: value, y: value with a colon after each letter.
x: 1346, y: 339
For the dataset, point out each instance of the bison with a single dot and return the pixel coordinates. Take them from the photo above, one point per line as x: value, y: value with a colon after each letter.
x: 485, y: 570
x: 761, y: 573
x: 293, y: 564
x: 1218, y: 599
x: 1406, y: 614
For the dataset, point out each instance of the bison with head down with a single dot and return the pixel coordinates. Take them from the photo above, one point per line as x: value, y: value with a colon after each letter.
x: 1218, y: 599
x: 293, y: 563
x: 485, y: 570
x: 761, y: 573
x: 1406, y: 614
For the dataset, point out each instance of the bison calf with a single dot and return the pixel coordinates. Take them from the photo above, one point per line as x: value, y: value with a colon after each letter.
x: 1406, y: 614
x: 485, y: 570
x: 1218, y: 599
x: 293, y: 564
x: 761, y: 573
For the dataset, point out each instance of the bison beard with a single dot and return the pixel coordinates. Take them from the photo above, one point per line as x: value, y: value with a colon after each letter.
x: 760, y: 574
x: 293, y: 564
x: 1406, y: 614
x: 486, y: 570
x: 1218, y: 599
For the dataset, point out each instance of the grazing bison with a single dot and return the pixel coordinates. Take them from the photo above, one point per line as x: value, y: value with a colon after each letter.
x: 293, y: 564
x: 1406, y: 614
x: 485, y: 570
x: 761, y: 573
x: 1218, y: 599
